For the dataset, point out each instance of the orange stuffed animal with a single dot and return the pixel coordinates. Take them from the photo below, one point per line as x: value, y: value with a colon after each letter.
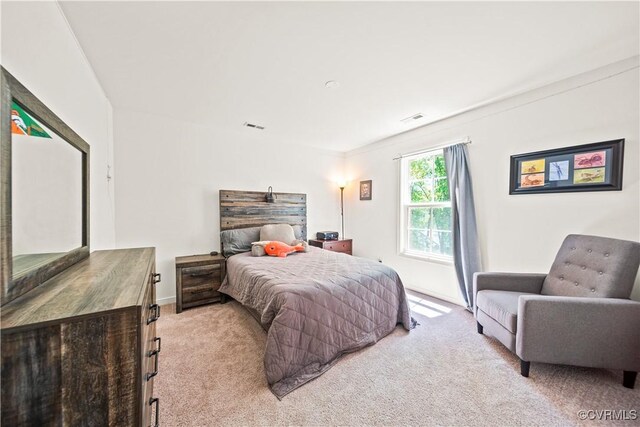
x: 281, y: 250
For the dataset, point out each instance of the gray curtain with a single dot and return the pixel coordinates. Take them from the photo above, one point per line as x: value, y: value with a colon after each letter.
x: 466, y: 250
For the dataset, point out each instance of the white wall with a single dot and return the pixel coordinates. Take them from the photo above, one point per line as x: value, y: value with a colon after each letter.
x: 523, y: 232
x: 170, y: 172
x: 41, y: 51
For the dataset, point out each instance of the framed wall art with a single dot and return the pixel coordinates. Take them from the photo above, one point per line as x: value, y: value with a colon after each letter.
x: 365, y: 190
x: 589, y: 167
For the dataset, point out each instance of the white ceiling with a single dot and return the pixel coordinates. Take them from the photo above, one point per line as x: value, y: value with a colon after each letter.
x: 221, y: 64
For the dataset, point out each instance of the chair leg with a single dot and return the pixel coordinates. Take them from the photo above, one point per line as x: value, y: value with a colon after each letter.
x: 480, y: 329
x: 629, y: 379
x: 524, y: 368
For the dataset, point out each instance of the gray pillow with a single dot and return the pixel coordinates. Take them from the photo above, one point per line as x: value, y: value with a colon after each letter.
x: 239, y: 240
x: 297, y: 230
x: 278, y: 233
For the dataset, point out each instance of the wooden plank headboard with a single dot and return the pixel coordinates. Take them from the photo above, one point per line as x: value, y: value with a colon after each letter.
x: 242, y: 209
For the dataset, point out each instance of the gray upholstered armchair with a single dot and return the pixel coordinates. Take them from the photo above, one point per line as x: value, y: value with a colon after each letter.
x: 578, y: 314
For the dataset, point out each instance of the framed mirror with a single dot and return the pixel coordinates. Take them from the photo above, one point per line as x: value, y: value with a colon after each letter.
x: 44, y: 192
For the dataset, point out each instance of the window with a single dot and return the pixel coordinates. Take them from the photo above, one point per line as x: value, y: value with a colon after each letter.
x: 425, y: 207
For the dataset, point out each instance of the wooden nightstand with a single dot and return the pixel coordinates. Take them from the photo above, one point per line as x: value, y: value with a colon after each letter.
x: 345, y: 246
x: 198, y: 278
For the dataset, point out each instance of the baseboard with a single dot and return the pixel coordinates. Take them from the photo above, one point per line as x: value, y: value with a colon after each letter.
x: 165, y: 301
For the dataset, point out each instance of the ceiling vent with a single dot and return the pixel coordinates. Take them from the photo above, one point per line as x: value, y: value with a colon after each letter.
x: 413, y: 118
x: 251, y: 125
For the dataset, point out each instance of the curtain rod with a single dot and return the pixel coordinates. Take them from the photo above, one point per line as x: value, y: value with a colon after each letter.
x: 467, y: 140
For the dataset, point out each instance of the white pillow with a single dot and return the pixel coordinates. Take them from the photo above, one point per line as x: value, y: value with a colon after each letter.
x: 258, y: 250
x: 277, y: 233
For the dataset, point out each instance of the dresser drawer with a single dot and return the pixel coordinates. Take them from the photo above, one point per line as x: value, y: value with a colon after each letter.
x: 195, y: 277
x: 150, y: 405
x: 150, y: 363
x: 150, y: 310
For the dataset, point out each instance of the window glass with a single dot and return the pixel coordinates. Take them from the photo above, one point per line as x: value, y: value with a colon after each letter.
x: 426, y: 207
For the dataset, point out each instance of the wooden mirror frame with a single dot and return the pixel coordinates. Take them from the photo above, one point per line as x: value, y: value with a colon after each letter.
x: 12, y: 288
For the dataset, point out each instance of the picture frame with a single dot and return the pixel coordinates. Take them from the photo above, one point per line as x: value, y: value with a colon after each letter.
x: 365, y: 190
x: 590, y: 167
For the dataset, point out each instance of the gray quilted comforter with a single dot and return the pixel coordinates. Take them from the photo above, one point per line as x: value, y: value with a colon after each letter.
x: 315, y: 306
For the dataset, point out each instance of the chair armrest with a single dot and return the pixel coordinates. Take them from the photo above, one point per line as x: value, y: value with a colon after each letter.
x: 516, y: 282
x: 593, y: 332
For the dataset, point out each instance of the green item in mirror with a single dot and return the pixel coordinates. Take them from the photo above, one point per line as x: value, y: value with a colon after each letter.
x: 23, y: 124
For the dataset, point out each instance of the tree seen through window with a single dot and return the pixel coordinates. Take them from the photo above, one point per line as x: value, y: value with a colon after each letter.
x: 427, y: 206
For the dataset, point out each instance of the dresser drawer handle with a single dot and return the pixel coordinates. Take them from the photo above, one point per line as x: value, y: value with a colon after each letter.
x: 157, y: 349
x: 206, y: 273
x: 156, y: 313
x: 156, y: 277
x: 155, y: 366
x: 156, y: 401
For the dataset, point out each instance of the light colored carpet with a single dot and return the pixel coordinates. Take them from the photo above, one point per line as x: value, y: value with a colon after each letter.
x: 441, y: 373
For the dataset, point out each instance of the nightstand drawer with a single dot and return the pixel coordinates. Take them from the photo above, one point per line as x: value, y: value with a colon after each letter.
x: 339, y: 246
x: 344, y: 246
x: 198, y: 293
x: 198, y: 276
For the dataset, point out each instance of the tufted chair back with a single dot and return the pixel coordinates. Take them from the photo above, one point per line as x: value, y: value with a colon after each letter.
x: 592, y: 266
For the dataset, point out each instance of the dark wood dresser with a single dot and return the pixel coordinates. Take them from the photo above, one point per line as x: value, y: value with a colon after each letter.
x: 82, y: 349
x: 198, y: 278
x: 344, y: 246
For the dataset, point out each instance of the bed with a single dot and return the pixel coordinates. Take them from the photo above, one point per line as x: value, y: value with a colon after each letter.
x: 315, y: 306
